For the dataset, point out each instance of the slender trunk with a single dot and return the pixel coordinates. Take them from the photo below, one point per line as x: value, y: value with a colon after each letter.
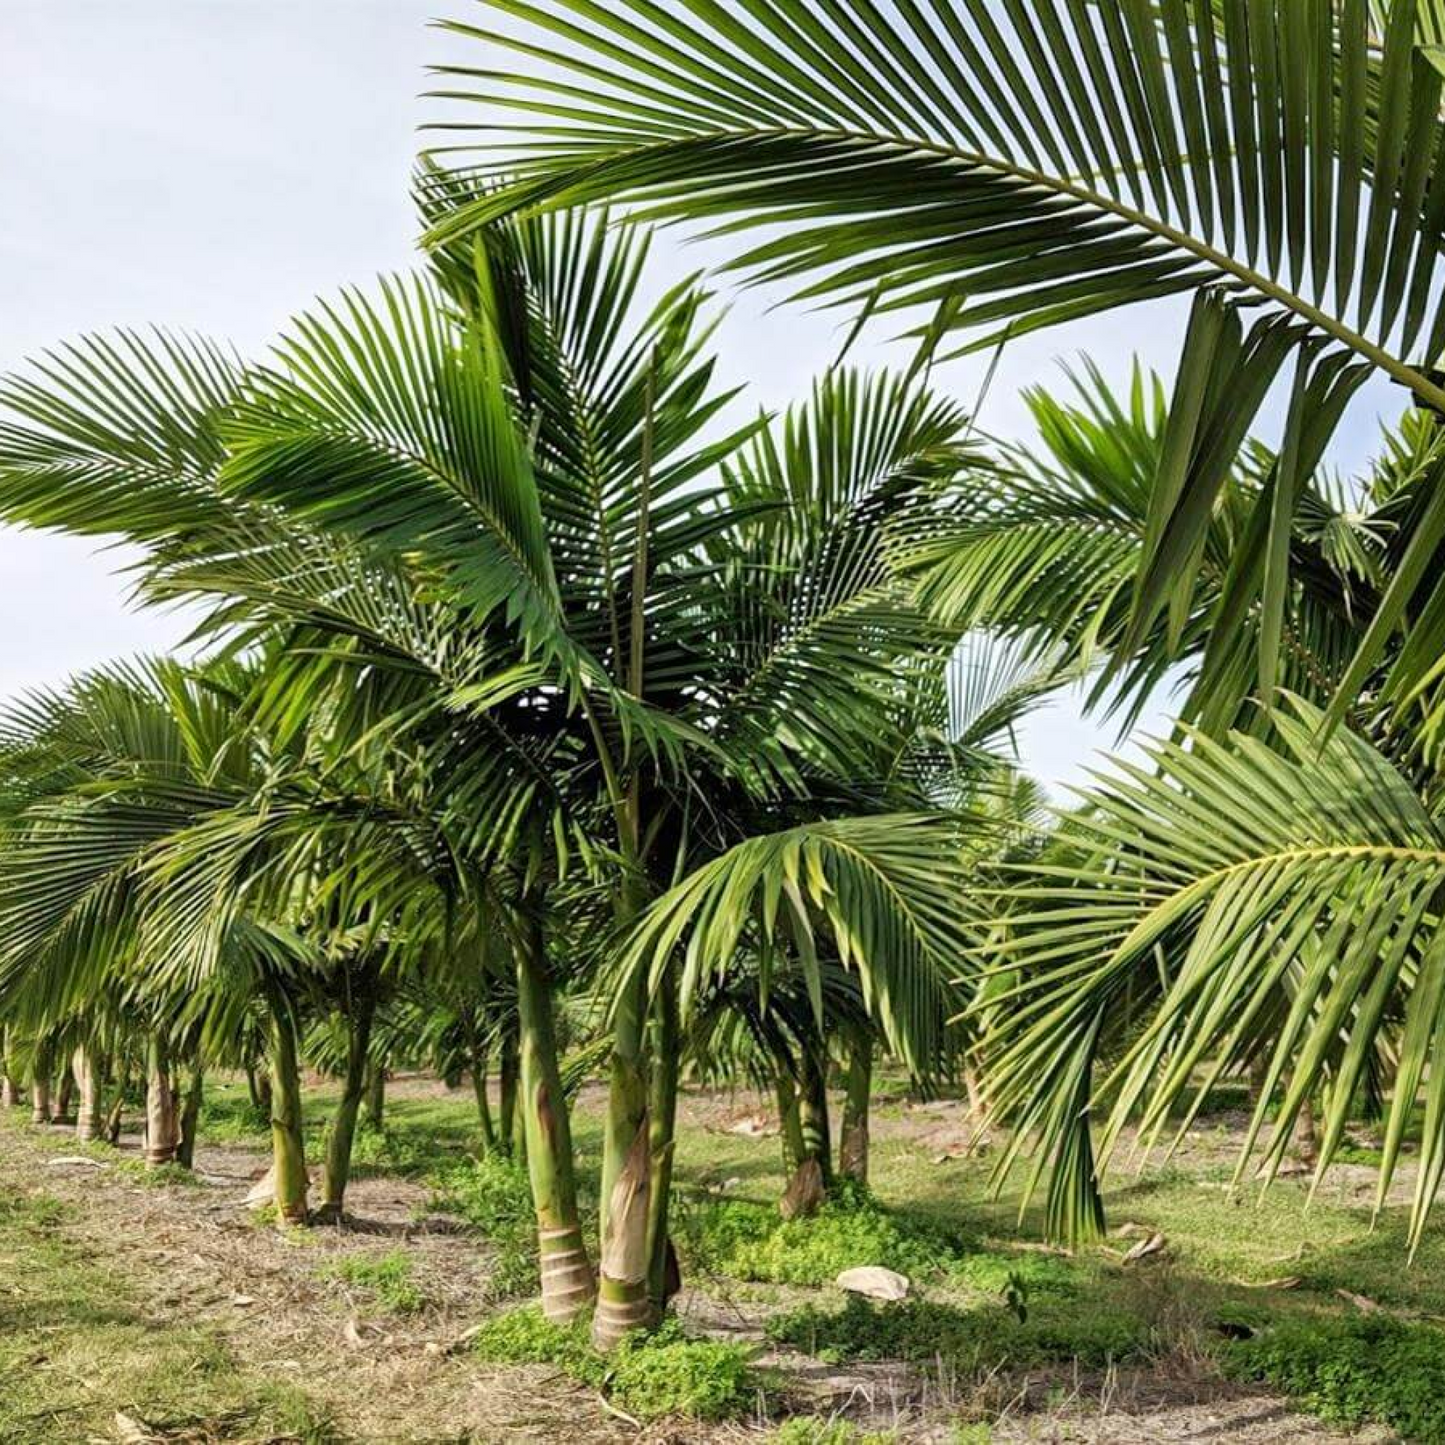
x: 813, y: 1111
x: 567, y: 1286
x: 9, y: 1087
x: 1307, y: 1135
x: 39, y: 1098
x: 191, y: 1116
x: 507, y: 1104
x: 623, y: 1303
x: 65, y: 1096
x: 484, y: 1104
x: 343, y: 1126
x: 116, y: 1115
x: 376, y: 1097
x: 977, y: 1107
x: 853, y: 1137
x: 288, y: 1153
x: 90, y: 1116
x: 662, y: 1111
x: 161, y: 1137
x: 790, y: 1127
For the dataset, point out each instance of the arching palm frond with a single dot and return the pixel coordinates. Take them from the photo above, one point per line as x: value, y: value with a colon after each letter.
x: 884, y: 887
x: 1196, y: 894
x: 1011, y: 167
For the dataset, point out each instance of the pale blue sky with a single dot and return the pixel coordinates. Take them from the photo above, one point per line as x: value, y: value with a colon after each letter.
x: 213, y: 164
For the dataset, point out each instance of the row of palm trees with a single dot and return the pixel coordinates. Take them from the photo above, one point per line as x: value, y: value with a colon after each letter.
x: 539, y: 717
x: 519, y: 685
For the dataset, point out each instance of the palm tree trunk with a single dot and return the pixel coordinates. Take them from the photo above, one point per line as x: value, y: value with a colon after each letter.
x: 116, y: 1116
x: 790, y: 1127
x: 258, y: 1086
x: 9, y: 1087
x: 484, y: 1105
x: 40, y: 1085
x: 1306, y: 1139
x: 623, y: 1302
x: 567, y: 1286
x: 89, y: 1069
x: 813, y: 1111
x: 343, y: 1125
x: 662, y: 1111
x: 288, y: 1152
x: 853, y: 1138
x: 376, y: 1097
x: 190, y: 1117
x: 507, y: 1102
x: 39, y: 1098
x: 65, y: 1096
x: 161, y: 1137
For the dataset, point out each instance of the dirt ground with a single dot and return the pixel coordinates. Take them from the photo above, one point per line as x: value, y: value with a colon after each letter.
x: 198, y: 1257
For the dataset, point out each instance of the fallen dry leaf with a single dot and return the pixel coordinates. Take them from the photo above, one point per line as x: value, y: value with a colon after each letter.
x: 1152, y: 1245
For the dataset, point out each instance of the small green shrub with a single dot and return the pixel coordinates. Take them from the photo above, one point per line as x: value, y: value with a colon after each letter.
x: 972, y: 1432
x: 921, y: 1331
x: 995, y: 1273
x: 494, y: 1196
x: 388, y: 1278
x: 664, y: 1373
x: 1355, y: 1370
x: 747, y: 1241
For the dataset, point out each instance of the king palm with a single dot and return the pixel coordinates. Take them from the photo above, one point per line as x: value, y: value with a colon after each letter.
x: 1009, y: 167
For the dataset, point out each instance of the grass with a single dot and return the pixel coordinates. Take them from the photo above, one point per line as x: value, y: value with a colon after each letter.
x: 663, y: 1374
x: 386, y: 1280
x: 78, y: 1345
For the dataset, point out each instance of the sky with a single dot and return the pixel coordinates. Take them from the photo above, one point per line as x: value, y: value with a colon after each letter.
x: 213, y: 165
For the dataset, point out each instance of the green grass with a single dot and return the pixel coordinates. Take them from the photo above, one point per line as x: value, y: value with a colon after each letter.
x: 663, y: 1374
x: 386, y: 1279
x: 77, y: 1345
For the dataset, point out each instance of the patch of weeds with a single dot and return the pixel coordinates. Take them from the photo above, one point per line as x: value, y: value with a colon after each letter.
x: 493, y: 1195
x: 650, y: 1376
x: 1355, y: 1370
x: 972, y: 1340
x: 814, y: 1430
x: 748, y: 1241
x: 972, y: 1432
x: 159, y: 1176
x: 387, y: 1277
x: 390, y: 1151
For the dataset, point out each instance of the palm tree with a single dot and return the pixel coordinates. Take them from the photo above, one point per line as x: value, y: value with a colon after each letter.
x: 1007, y: 167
